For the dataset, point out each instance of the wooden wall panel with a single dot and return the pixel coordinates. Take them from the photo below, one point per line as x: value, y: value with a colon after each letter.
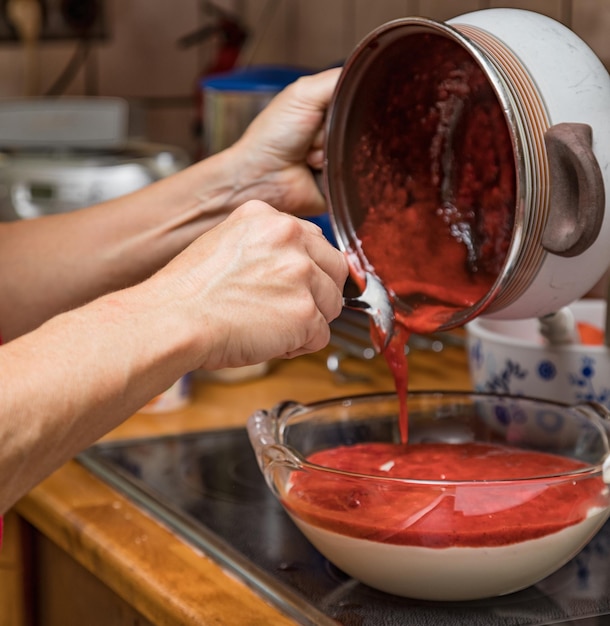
x: 443, y: 10
x: 591, y: 21
x: 369, y: 15
x: 141, y: 57
x: 274, y: 32
x: 558, y: 9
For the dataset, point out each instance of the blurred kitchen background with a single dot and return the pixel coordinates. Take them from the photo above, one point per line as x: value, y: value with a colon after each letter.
x: 155, y: 52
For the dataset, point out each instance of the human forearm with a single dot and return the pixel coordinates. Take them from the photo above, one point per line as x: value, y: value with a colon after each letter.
x: 260, y: 285
x: 55, y: 263
x: 78, y: 376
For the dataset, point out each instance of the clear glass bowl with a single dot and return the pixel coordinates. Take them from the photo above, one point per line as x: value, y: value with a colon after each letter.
x: 441, y: 536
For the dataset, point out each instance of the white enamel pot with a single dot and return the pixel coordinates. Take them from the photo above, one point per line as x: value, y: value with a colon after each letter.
x: 555, y: 97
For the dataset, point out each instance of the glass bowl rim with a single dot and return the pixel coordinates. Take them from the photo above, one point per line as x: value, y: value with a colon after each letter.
x: 597, y: 410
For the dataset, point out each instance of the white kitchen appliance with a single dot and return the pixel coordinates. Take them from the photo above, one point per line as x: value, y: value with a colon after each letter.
x: 62, y: 154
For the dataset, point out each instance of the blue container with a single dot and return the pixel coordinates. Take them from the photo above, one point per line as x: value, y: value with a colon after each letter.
x: 258, y: 78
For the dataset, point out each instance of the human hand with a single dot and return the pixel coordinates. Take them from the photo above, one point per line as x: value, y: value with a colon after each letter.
x: 286, y: 140
x: 260, y: 285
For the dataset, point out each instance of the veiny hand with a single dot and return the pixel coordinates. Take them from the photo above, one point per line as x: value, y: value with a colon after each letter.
x: 260, y: 285
x: 281, y: 145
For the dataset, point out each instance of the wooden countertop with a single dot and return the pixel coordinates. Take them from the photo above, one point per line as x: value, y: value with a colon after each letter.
x: 165, y: 579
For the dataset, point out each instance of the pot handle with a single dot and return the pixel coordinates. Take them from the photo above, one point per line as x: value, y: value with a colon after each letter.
x: 577, y: 197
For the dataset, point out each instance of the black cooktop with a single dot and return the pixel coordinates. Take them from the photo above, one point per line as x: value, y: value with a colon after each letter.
x: 207, y: 487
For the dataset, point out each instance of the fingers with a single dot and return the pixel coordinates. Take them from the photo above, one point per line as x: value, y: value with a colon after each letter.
x: 283, y: 142
x: 267, y: 285
x: 318, y: 140
x: 328, y: 283
x: 291, y: 124
x: 323, y: 272
x: 315, y: 91
x: 315, y: 159
x: 318, y: 342
x: 315, y: 156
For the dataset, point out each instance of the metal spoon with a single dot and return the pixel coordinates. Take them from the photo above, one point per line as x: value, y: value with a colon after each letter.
x: 375, y: 301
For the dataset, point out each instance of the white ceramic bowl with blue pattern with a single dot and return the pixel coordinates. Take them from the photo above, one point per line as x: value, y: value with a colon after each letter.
x: 512, y: 357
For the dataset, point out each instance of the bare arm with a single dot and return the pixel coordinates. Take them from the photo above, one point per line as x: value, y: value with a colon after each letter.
x: 260, y: 285
x: 55, y: 263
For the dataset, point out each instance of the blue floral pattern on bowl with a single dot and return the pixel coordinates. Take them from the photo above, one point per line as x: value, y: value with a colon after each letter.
x: 585, y: 385
x: 501, y: 382
x: 511, y: 357
x: 509, y: 376
x: 547, y: 370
